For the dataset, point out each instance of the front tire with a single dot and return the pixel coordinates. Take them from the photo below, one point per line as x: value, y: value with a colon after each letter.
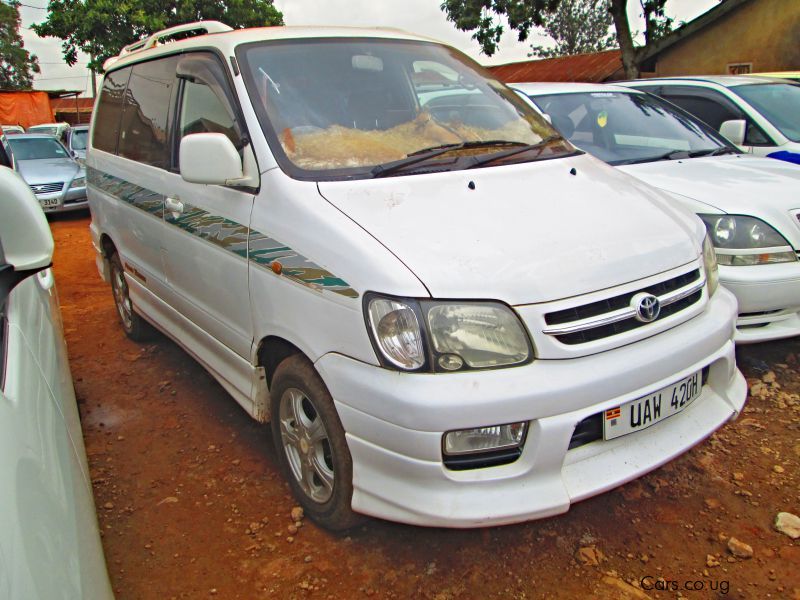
x: 135, y: 327
x: 311, y: 446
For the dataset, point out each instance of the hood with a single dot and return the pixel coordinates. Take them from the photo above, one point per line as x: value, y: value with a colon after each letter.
x: 745, y: 185
x: 48, y: 170
x: 526, y: 233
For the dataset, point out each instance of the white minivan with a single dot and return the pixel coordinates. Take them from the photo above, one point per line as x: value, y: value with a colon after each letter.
x: 449, y: 314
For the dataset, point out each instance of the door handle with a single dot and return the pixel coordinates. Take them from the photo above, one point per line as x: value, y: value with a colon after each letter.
x: 173, y: 205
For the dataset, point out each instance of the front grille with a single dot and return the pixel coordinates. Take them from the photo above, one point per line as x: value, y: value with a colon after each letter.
x: 612, y: 316
x: 47, y: 188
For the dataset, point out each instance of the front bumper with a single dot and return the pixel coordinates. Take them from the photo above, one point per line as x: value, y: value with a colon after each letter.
x: 769, y: 300
x: 57, y: 202
x: 394, y: 425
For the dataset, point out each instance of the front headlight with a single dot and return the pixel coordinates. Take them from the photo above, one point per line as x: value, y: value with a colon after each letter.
x: 741, y: 240
x: 446, y: 336
x: 78, y: 182
x: 710, y: 266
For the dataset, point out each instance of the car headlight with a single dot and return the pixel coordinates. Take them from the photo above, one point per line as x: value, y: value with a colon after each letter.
x: 710, y: 266
x: 740, y: 240
x: 446, y: 336
x: 78, y: 182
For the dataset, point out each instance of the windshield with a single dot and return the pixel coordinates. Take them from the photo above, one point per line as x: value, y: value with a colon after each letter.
x: 78, y: 139
x: 37, y: 148
x: 621, y: 128
x: 47, y: 130
x: 340, y: 107
x: 778, y: 102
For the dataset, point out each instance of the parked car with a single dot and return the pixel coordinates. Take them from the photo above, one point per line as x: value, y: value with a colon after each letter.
x: 56, y: 178
x: 761, y: 116
x: 49, y: 540
x: 57, y: 130
x: 6, y: 155
x: 749, y: 204
x: 12, y: 129
x: 76, y: 141
x: 450, y: 316
x: 790, y: 75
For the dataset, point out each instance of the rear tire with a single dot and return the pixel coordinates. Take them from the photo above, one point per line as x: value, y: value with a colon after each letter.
x: 135, y: 327
x: 310, y: 444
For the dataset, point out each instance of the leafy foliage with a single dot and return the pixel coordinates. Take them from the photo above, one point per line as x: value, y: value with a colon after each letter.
x: 17, y: 65
x: 578, y: 27
x: 100, y: 28
x: 484, y: 17
x: 657, y: 24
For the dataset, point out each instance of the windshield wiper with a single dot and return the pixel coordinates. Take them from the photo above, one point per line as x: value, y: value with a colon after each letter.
x: 428, y: 153
x: 714, y: 152
x: 524, y: 148
x: 671, y: 155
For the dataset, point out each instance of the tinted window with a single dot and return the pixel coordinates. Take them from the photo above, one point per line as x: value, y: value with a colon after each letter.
x: 714, y: 109
x: 37, y: 148
x: 109, y: 111
x: 624, y: 128
x: 143, y: 136
x: 78, y: 139
x: 778, y: 102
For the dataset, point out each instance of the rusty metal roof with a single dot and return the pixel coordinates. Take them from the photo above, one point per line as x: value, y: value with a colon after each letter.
x: 593, y: 68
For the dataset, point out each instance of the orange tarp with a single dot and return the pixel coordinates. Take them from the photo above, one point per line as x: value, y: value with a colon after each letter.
x: 25, y: 108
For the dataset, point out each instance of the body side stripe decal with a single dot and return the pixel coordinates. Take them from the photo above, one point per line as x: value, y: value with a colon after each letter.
x: 224, y: 233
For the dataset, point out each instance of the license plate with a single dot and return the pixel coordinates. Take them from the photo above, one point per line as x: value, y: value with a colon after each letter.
x: 49, y: 202
x: 649, y: 410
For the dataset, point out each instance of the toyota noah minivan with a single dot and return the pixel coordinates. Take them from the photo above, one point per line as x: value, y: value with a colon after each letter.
x: 448, y: 314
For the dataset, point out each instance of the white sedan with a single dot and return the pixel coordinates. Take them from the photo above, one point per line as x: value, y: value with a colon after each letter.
x: 750, y: 205
x: 49, y: 540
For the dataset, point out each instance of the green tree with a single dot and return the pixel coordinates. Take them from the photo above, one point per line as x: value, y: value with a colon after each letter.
x: 578, y: 27
x: 483, y: 17
x: 17, y: 65
x: 100, y: 28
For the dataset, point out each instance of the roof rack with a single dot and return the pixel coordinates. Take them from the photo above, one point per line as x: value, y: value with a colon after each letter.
x: 153, y: 40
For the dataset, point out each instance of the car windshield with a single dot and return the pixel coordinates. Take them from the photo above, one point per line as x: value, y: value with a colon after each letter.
x: 335, y: 108
x: 778, y: 102
x: 46, y: 130
x: 623, y: 128
x: 36, y: 148
x: 78, y: 139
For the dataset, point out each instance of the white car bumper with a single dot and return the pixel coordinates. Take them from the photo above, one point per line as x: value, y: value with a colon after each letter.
x: 769, y: 300
x: 395, y: 423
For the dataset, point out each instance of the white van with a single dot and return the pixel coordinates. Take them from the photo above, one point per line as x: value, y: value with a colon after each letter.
x: 450, y: 315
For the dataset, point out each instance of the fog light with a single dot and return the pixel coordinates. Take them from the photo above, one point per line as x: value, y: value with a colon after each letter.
x: 485, y: 439
x: 450, y: 362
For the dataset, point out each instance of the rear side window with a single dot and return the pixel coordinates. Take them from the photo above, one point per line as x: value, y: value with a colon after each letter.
x: 109, y: 111
x: 143, y: 136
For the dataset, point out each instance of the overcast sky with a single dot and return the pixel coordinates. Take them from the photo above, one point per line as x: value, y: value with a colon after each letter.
x: 417, y: 16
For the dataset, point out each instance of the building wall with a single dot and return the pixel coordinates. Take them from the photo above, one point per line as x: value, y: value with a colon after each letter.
x: 765, y: 33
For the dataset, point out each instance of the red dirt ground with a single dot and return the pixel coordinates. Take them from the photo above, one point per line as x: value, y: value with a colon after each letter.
x: 192, y: 505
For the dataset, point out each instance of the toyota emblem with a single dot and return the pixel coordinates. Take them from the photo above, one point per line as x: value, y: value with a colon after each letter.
x: 647, y: 307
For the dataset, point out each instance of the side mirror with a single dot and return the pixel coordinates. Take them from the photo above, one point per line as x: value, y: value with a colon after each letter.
x: 210, y: 158
x: 26, y: 244
x: 734, y: 131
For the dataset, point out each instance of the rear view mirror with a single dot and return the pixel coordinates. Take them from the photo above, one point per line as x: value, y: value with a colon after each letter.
x: 210, y: 158
x: 364, y: 62
x: 734, y: 131
x: 26, y: 244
